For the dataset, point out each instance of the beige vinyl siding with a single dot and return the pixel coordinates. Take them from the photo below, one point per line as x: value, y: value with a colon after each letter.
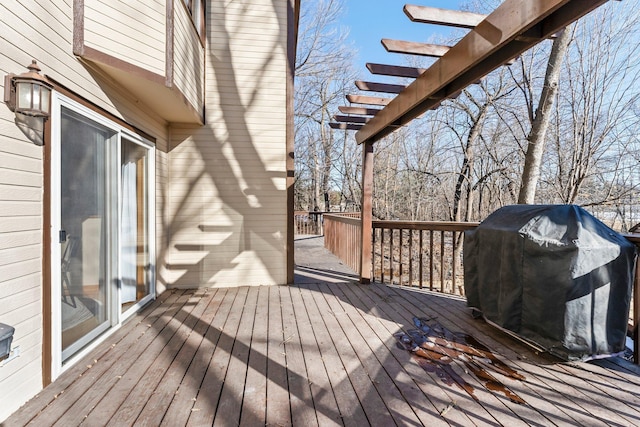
x: 134, y: 32
x: 20, y: 255
x: 227, y: 180
x: 162, y: 176
x: 188, y: 57
x: 44, y: 31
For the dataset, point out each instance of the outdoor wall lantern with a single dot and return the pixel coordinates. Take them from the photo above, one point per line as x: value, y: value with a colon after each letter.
x: 28, y: 95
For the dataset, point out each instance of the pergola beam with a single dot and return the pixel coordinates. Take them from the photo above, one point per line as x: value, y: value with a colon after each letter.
x: 379, y: 87
x: 345, y: 126
x: 450, y: 18
x: 368, y: 100
x: 414, y: 48
x: 351, y: 119
x: 359, y: 110
x: 394, y: 70
x: 490, y: 44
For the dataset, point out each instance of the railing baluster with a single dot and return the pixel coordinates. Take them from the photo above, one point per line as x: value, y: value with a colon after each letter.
x: 430, y: 260
x: 454, y: 261
x: 373, y: 253
x: 442, y: 261
x: 391, y: 255
x: 400, y: 269
x: 411, y: 258
x: 421, y: 258
x: 382, y: 230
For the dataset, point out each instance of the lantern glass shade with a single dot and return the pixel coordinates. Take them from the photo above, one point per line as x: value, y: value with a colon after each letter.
x: 33, y: 97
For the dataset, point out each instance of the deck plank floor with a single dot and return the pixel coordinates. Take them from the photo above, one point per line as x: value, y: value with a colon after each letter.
x: 321, y: 352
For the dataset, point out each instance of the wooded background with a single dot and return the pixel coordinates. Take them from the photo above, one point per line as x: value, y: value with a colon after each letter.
x: 523, y: 134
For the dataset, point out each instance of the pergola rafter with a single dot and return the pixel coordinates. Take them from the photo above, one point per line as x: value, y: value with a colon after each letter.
x: 351, y: 119
x: 363, y: 111
x: 414, y: 48
x: 379, y: 87
x: 394, y: 70
x: 451, y: 18
x: 345, y: 126
x: 368, y: 100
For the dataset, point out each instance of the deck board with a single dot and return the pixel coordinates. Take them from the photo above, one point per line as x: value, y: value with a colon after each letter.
x: 324, y: 401
x: 350, y: 412
x: 278, y: 410
x: 254, y: 403
x: 464, y: 411
x: 232, y: 393
x: 186, y: 341
x: 317, y: 353
x: 427, y: 405
x: 399, y: 386
x: 148, y: 370
x: 206, y: 404
x: 378, y: 362
x: 552, y: 389
x: 180, y: 407
x: 446, y: 308
x: 368, y: 394
x: 300, y: 397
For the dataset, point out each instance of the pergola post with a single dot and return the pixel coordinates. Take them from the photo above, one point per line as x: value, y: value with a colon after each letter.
x: 366, y: 214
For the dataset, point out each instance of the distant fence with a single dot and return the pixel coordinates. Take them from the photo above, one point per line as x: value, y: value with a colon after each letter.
x: 342, y: 234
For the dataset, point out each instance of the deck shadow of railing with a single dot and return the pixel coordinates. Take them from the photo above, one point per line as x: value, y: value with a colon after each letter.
x: 305, y: 274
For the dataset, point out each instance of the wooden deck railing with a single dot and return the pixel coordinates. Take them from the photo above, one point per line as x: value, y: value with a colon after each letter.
x: 342, y: 234
x: 427, y: 255
x: 312, y: 222
x: 421, y: 254
x: 634, y: 313
x: 308, y: 222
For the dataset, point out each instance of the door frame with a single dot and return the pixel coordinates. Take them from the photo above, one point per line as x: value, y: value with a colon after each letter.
x: 53, y: 364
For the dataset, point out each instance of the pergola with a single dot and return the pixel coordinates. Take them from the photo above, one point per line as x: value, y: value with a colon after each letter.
x: 493, y: 40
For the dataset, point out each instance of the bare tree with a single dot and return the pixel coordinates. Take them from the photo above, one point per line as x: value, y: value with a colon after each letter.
x: 596, y: 127
x: 540, y: 124
x: 322, y: 77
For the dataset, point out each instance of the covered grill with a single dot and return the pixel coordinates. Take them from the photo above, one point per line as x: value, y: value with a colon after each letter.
x: 553, y: 275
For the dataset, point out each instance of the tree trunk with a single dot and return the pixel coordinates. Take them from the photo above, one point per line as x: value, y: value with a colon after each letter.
x: 535, y: 147
x: 467, y: 163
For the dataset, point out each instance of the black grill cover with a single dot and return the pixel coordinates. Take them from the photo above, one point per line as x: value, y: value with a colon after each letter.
x: 553, y: 275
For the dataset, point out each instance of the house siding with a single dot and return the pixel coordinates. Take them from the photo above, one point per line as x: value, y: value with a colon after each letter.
x: 227, y: 186
x: 134, y: 32
x: 221, y: 197
x: 188, y: 57
x: 44, y: 32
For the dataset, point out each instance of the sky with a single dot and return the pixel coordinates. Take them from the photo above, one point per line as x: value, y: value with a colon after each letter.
x: 370, y: 21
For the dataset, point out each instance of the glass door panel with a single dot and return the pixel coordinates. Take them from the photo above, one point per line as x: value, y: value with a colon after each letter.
x: 134, y: 236
x: 86, y: 217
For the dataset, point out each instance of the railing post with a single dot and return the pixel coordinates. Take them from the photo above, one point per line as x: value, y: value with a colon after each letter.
x: 636, y: 315
x: 366, y: 215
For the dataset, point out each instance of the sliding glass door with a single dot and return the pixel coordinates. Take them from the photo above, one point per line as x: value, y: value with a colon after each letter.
x: 135, y: 263
x: 86, y: 217
x: 102, y: 219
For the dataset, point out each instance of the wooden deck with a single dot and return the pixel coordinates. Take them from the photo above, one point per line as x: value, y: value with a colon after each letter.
x: 321, y: 352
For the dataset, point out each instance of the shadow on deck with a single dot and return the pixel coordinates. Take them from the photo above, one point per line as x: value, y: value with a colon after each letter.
x: 321, y: 352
